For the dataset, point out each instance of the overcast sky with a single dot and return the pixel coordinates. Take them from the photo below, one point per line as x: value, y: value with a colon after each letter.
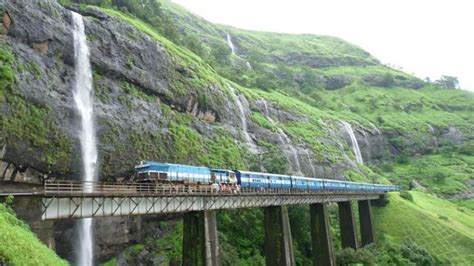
x: 427, y: 38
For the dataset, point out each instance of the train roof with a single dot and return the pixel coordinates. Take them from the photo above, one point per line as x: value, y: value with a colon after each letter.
x: 260, y: 173
x: 221, y: 170
x: 144, y: 163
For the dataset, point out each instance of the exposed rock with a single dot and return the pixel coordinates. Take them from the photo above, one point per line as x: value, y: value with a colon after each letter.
x: 6, y: 22
x: 452, y: 135
x: 337, y: 81
x: 141, y: 91
x: 389, y: 80
x: 379, y: 80
x: 40, y: 47
x: 316, y: 61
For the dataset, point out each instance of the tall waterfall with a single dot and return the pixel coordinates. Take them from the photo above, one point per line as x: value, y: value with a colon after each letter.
x: 355, y: 144
x: 284, y: 139
x: 83, y: 97
x: 231, y: 45
x: 243, y: 120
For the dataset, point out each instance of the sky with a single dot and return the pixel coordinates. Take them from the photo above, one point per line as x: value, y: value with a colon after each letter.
x: 427, y: 38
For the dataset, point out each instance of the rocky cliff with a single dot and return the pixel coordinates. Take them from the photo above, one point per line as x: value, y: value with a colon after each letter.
x: 149, y: 103
x: 157, y: 100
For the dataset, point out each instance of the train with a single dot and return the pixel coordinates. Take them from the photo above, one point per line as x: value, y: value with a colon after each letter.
x: 156, y: 172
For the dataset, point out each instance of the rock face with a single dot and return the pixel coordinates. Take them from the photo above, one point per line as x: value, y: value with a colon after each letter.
x: 140, y: 91
x: 150, y: 104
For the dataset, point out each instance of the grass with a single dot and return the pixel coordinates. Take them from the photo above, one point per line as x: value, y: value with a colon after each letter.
x: 445, y: 173
x: 441, y: 227
x: 20, y: 246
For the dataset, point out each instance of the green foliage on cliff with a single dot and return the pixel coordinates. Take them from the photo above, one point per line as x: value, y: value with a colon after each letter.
x: 442, y: 228
x: 323, y: 79
x: 7, y: 74
x: 19, y: 246
x: 318, y: 78
x: 29, y: 123
x: 445, y: 172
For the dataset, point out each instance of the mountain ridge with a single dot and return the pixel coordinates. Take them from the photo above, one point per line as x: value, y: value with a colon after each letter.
x: 165, y: 99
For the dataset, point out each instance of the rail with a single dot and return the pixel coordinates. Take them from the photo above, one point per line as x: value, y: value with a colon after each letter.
x: 85, y: 189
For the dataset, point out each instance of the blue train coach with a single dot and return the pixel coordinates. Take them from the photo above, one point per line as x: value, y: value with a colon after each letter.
x: 148, y: 171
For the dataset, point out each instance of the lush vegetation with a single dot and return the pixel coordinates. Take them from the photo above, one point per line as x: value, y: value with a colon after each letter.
x: 29, y: 122
x: 442, y: 228
x: 19, y: 245
x: 322, y: 79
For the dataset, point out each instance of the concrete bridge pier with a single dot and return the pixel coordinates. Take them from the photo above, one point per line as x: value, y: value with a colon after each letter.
x: 323, y: 251
x: 347, y: 225
x: 278, y: 242
x: 200, y: 239
x: 366, y: 222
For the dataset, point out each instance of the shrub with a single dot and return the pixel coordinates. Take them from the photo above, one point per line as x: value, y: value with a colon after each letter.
x: 467, y: 148
x: 402, y: 159
x: 349, y: 256
x: 416, y: 254
x: 442, y: 217
x: 406, y: 195
x: 440, y: 177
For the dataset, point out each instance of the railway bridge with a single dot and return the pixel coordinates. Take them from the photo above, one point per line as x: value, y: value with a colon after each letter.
x: 71, y: 200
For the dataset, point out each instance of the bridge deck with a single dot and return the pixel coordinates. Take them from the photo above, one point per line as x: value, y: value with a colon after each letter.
x: 66, y: 200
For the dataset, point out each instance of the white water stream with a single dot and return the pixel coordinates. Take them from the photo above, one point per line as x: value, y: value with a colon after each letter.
x: 355, y: 144
x: 231, y: 45
x: 83, y: 97
x: 376, y: 128
x: 284, y: 139
x: 313, y: 170
x: 232, y: 49
x: 243, y: 120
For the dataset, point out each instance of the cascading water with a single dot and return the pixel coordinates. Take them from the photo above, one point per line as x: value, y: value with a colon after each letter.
x: 249, y: 66
x: 376, y: 129
x: 430, y: 127
x: 284, y: 139
x: 83, y: 97
x: 355, y: 144
x: 231, y: 45
x: 313, y: 170
x: 243, y: 120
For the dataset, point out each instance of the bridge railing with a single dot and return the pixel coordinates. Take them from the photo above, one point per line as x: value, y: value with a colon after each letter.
x: 75, y: 188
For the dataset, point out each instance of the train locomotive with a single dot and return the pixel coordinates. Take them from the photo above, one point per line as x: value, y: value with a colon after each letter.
x: 159, y: 173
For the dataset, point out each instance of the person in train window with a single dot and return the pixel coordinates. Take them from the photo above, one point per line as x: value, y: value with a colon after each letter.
x: 215, y: 187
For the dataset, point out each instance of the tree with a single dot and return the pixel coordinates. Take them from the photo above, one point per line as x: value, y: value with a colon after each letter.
x: 448, y: 82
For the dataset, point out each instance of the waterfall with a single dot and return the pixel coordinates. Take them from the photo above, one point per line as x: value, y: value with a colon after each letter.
x: 247, y: 63
x: 83, y: 97
x: 243, y: 121
x: 313, y: 170
x: 375, y: 128
x: 355, y: 144
x: 231, y: 45
x: 285, y: 140
x: 430, y: 127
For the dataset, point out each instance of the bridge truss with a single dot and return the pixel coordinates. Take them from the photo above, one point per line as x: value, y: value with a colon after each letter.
x: 67, y: 200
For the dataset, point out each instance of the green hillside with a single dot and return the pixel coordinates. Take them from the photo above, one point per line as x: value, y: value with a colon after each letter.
x: 179, y: 107
x: 445, y: 230
x: 20, y: 246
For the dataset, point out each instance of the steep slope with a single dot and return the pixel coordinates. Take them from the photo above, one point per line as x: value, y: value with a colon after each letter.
x: 20, y: 246
x: 295, y: 63
x: 191, y: 100
x: 443, y: 229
